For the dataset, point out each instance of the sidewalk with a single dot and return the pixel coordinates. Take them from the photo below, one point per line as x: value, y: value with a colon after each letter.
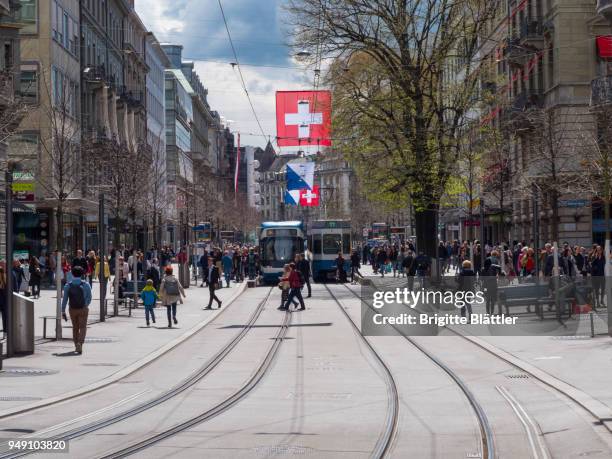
x: 579, y: 366
x: 112, y: 349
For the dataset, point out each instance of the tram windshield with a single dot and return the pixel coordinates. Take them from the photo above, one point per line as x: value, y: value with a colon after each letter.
x: 334, y: 243
x: 281, y: 249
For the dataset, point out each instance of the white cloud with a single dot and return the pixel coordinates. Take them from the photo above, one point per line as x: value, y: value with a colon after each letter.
x: 225, y: 95
x: 189, y: 22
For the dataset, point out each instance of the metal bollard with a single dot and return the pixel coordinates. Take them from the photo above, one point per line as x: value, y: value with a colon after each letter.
x: 592, y: 324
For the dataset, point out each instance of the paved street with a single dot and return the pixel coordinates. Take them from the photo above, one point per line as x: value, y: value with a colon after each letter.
x: 253, y: 381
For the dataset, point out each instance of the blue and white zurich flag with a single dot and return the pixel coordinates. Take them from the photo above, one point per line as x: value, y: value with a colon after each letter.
x: 300, y: 176
x: 292, y: 197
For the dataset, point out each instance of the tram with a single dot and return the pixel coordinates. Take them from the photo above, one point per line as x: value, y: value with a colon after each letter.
x: 325, y: 239
x: 279, y: 242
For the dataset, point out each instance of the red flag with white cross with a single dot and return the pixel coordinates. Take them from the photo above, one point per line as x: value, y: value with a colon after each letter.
x: 303, y: 118
x: 309, y: 198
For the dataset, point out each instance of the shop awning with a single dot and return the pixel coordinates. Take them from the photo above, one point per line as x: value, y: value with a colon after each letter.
x: 604, y: 46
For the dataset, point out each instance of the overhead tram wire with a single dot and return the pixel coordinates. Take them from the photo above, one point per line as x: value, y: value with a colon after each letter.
x: 244, y: 87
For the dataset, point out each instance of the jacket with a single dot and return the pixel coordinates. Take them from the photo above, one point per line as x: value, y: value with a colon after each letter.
x: 304, y: 267
x: 86, y: 290
x: 227, y: 263
x: 106, y: 270
x: 294, y: 280
x: 149, y: 295
x: 166, y: 298
x: 214, y: 275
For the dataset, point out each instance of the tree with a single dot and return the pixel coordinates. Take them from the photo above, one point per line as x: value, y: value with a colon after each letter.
x: 403, y: 77
x: 13, y: 108
x: 157, y: 203
x: 496, y: 174
x: 555, y: 141
x: 119, y: 171
x: 63, y: 169
x: 598, y: 162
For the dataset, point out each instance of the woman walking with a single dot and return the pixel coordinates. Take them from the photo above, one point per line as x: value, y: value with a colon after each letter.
x: 35, y: 277
x: 171, y: 292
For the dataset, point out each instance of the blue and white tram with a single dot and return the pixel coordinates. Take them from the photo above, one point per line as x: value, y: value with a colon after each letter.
x: 326, y: 238
x: 279, y: 242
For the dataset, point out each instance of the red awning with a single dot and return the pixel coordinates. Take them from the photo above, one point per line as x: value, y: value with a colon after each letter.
x: 604, y: 46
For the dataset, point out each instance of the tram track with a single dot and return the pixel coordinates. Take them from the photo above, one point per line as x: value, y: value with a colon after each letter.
x: 537, y: 446
x: 179, y: 388
x: 219, y: 408
x: 486, y: 431
x: 81, y: 394
x: 386, y: 438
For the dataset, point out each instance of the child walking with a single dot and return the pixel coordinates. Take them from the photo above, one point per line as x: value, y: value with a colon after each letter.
x: 149, y: 297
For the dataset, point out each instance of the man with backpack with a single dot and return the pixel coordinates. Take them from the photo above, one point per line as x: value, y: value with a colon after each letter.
x: 77, y: 295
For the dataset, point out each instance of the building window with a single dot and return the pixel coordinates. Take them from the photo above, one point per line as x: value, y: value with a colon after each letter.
x: 7, y: 56
x: 28, y: 16
x: 28, y: 86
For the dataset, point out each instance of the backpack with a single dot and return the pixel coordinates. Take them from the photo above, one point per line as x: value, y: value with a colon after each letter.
x: 171, y: 287
x: 76, y: 296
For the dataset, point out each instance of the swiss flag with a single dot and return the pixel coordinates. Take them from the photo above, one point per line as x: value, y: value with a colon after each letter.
x: 303, y: 118
x: 309, y: 198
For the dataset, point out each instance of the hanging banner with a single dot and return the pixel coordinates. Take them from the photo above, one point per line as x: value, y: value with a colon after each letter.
x: 300, y: 175
x: 310, y: 198
x: 303, y: 119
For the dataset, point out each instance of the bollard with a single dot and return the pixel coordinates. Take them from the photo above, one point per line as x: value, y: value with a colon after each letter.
x: 592, y: 324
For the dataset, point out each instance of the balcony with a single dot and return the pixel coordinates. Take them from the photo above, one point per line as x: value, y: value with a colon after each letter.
x: 604, y: 7
x: 522, y: 114
x: 134, y: 99
x: 601, y: 90
x: 531, y: 33
x: 515, y: 53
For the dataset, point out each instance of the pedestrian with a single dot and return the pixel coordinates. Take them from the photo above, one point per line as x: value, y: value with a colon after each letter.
x: 295, y: 289
x: 149, y: 298
x: 102, y: 275
x: 19, y: 275
x: 212, y: 276
x: 285, y: 286
x: 355, y: 265
x: 409, y: 266
x: 25, y: 281
x: 489, y: 282
x: 66, y: 271
x: 35, y: 277
x: 171, y: 292
x: 80, y: 260
x: 423, y: 267
x: 251, y: 262
x: 598, y: 268
x: 466, y: 281
x: 303, y: 266
x: 91, y: 266
x: 3, y: 297
x: 228, y: 265
x: 340, y: 271
x: 154, y: 274
x: 77, y: 295
x: 381, y: 261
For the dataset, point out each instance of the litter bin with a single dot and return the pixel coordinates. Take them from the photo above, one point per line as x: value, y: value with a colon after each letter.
x: 23, y: 325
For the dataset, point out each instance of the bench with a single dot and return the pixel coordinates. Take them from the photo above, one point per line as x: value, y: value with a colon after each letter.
x: 523, y: 295
x: 52, y: 318
x: 536, y: 295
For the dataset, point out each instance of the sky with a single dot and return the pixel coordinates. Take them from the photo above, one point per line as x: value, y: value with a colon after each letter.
x: 257, y: 29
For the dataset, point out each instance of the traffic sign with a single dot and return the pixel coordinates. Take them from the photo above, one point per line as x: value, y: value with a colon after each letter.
x: 23, y: 186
